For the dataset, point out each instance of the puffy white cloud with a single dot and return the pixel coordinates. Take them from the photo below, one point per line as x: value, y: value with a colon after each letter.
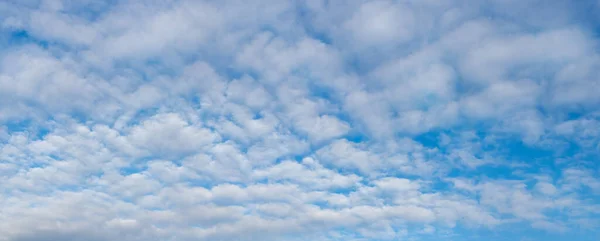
x: 381, y: 22
x: 152, y: 135
x: 309, y: 173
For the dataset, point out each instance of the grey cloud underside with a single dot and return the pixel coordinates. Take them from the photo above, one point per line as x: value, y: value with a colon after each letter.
x: 294, y: 120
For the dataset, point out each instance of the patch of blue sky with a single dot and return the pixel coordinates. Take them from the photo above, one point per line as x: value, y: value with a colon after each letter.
x: 9, y: 38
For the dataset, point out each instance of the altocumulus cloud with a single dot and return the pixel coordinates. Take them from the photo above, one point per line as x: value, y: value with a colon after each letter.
x: 299, y: 120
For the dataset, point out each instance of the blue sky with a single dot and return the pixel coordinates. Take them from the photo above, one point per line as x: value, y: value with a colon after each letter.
x: 299, y: 120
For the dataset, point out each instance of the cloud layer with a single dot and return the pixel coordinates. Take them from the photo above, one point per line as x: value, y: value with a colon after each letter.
x: 299, y: 120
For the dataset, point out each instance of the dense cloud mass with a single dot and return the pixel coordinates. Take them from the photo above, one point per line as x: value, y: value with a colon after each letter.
x: 299, y: 120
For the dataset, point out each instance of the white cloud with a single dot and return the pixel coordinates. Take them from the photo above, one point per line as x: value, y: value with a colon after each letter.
x: 323, y: 127
x: 345, y: 154
x: 381, y: 22
x: 493, y: 60
x: 309, y: 173
x: 34, y: 76
x: 170, y: 134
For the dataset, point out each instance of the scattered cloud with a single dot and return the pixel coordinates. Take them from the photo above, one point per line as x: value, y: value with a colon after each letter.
x: 295, y: 120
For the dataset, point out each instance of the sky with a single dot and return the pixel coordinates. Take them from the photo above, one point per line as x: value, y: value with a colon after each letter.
x: 289, y: 120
